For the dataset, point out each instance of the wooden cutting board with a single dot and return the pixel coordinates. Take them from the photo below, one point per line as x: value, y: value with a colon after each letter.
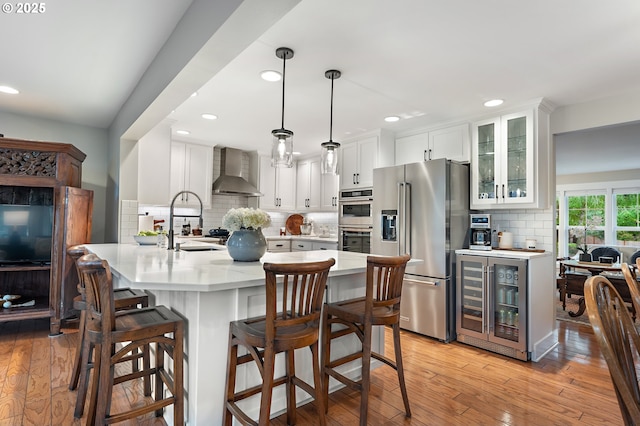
x: 293, y: 224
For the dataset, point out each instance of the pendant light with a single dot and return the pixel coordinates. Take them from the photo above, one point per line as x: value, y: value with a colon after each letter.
x: 282, y: 145
x: 329, y: 156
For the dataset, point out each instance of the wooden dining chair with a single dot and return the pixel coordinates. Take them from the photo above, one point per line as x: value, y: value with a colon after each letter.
x: 112, y: 336
x: 292, y: 321
x: 123, y: 298
x: 619, y: 342
x: 379, y: 307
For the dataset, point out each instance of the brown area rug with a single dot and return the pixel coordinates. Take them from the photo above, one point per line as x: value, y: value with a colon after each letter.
x: 572, y: 306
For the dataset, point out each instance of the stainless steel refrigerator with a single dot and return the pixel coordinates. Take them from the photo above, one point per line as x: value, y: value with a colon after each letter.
x: 423, y: 209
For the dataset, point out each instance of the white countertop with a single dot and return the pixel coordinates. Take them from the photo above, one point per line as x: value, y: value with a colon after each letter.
x: 153, y: 268
x: 512, y: 254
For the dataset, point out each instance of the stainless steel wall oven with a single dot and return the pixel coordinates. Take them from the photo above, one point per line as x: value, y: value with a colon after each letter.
x: 355, y: 220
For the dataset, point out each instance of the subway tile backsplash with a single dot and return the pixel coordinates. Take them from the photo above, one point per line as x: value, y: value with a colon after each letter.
x: 524, y: 224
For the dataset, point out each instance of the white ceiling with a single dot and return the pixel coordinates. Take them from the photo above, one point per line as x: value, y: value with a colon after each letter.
x: 427, y: 61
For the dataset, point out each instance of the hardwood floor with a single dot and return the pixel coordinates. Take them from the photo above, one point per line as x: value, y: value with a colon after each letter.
x: 448, y: 384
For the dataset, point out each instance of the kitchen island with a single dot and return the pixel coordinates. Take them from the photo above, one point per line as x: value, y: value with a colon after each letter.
x: 209, y: 290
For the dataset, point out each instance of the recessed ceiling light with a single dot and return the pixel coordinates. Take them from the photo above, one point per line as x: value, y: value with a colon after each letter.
x: 493, y: 102
x: 392, y: 119
x: 209, y: 116
x: 8, y: 90
x: 183, y: 132
x: 194, y: 94
x: 296, y: 153
x: 270, y: 75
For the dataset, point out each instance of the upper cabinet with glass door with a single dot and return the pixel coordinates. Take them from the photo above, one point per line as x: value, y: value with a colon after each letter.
x: 509, y: 166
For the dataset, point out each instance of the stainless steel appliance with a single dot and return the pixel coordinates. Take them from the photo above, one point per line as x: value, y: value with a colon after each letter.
x: 480, y: 232
x: 492, y: 304
x: 355, y: 207
x: 423, y: 209
x: 355, y: 220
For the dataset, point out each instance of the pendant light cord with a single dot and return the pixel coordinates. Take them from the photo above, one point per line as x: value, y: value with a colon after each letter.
x: 284, y: 64
x: 331, y: 114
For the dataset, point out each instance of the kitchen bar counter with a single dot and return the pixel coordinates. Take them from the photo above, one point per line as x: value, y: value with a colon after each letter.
x: 209, y: 290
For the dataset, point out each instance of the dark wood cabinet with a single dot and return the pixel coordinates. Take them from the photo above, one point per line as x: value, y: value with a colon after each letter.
x: 41, y: 179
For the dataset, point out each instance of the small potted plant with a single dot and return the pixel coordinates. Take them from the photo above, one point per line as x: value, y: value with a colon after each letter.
x: 584, y: 256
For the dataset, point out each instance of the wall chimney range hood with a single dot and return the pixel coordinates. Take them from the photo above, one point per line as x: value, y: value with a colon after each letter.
x: 231, y: 181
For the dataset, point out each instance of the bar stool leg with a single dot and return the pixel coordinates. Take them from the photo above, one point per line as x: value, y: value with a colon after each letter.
x: 268, y: 370
x: 400, y: 368
x: 178, y: 379
x: 158, y: 380
x: 290, y: 387
x: 77, y: 361
x: 317, y: 385
x: 232, y: 364
x: 366, y: 374
x: 326, y: 359
x: 83, y: 381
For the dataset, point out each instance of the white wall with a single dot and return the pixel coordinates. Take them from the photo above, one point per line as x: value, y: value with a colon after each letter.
x: 90, y: 140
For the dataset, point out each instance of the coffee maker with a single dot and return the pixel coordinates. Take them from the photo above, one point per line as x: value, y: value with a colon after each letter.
x: 480, y: 232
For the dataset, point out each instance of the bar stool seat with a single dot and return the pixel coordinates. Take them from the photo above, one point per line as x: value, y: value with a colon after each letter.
x: 124, y: 299
x: 136, y: 328
x: 296, y: 325
x: 379, y: 307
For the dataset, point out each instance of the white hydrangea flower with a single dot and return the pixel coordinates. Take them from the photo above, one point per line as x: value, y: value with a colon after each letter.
x: 246, y: 218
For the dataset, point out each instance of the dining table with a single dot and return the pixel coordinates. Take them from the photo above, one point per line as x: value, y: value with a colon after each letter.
x: 594, y: 268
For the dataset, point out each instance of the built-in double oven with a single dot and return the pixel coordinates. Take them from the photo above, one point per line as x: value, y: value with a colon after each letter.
x: 355, y: 221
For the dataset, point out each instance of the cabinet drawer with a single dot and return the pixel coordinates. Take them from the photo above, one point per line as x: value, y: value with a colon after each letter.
x: 325, y: 246
x: 301, y: 245
x: 278, y: 245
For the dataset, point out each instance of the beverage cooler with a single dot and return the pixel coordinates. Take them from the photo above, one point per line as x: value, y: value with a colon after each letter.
x: 491, y: 305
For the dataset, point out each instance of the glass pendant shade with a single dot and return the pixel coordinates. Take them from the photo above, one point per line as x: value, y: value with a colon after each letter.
x: 329, y: 158
x: 329, y: 150
x: 282, y: 148
x: 282, y: 145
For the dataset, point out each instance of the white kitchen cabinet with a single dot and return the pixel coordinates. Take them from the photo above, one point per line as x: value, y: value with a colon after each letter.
x: 509, y: 161
x: 191, y: 170
x: 359, y: 157
x: 309, y: 182
x: 450, y: 142
x: 278, y: 186
x: 154, y: 159
x: 315, y: 191
x: 329, y: 192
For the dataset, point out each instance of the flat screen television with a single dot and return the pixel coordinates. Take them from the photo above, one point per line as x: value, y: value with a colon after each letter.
x: 26, y: 225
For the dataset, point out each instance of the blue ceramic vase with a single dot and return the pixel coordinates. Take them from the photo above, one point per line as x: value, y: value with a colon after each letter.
x: 247, y: 245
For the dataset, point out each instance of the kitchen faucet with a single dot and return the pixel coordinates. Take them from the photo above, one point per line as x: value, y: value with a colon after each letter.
x: 171, y: 216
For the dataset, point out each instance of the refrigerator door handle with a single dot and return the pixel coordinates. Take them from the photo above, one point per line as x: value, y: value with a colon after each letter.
x: 489, y: 306
x: 407, y: 218
x: 484, y: 298
x: 428, y: 283
x: 400, y: 224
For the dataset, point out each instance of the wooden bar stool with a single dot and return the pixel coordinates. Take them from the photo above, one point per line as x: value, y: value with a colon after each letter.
x: 296, y: 325
x: 130, y: 329
x: 124, y: 298
x: 380, y: 306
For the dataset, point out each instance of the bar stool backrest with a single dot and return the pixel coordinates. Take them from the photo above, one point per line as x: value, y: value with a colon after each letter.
x: 76, y: 252
x: 301, y: 295
x: 384, y: 277
x: 97, y: 278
